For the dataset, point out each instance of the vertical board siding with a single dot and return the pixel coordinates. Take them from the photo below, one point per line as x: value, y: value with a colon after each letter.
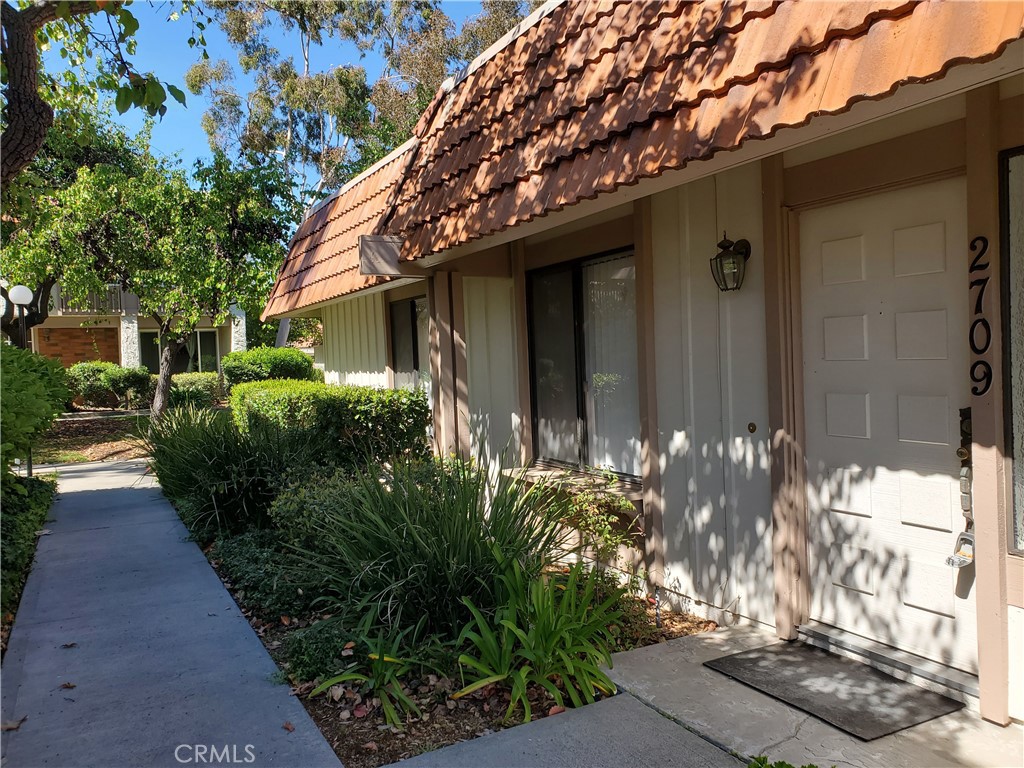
x: 492, y: 421
x: 354, y: 350
x: 711, y: 383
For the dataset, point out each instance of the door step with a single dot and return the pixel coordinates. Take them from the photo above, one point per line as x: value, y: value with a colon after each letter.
x: 954, y: 683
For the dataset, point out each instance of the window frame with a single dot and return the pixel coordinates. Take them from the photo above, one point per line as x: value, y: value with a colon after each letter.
x: 1005, y: 157
x: 199, y: 356
x: 575, y: 268
x: 413, y: 327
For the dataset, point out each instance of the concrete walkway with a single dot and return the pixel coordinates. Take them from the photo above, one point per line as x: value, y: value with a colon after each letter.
x: 619, y: 732
x: 160, y: 658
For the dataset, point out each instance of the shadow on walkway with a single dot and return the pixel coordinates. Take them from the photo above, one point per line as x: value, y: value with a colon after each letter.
x: 124, y: 608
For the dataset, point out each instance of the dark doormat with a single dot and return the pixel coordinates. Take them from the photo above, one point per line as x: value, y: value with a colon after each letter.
x: 847, y: 694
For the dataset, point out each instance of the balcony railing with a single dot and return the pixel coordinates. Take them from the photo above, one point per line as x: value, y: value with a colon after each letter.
x: 112, y: 301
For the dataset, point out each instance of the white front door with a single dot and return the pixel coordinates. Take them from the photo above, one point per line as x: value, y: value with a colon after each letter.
x: 885, y: 303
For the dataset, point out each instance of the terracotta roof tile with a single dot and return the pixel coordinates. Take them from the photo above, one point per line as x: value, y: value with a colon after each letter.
x: 599, y: 95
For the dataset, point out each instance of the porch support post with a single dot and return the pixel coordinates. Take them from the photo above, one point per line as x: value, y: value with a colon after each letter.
x: 783, y: 331
x: 990, y: 481
x: 650, y: 454
x: 447, y: 360
x: 522, y: 334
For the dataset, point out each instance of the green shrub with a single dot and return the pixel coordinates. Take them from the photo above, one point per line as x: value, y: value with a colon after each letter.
x: 200, y: 390
x: 261, y: 574
x: 358, y: 423
x: 303, y: 499
x: 87, y: 380
x: 397, y: 548
x: 25, y: 502
x: 131, y: 386
x: 317, y: 651
x: 264, y: 363
x: 551, y: 632
x: 222, y: 481
x: 33, y: 391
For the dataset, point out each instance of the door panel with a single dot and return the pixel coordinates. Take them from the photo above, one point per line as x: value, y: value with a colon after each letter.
x: 885, y: 302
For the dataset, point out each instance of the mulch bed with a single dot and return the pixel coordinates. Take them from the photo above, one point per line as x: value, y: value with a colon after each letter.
x: 110, y: 439
x: 360, y: 736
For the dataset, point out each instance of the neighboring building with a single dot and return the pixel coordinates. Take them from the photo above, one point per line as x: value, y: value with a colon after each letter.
x: 539, y: 252
x: 108, y: 327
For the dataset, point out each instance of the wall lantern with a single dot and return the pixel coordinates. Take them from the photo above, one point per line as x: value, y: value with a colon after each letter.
x: 729, y: 266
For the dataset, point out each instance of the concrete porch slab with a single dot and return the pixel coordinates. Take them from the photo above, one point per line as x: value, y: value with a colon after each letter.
x: 672, y: 678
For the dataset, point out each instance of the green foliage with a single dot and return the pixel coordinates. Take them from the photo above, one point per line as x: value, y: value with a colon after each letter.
x: 261, y: 574
x: 305, y: 496
x: 264, y: 363
x: 132, y: 387
x: 380, y: 673
x: 410, y: 543
x: 314, y: 652
x: 34, y: 392
x: 356, y: 423
x: 200, y: 390
x: 25, y: 502
x: 552, y: 632
x: 763, y: 762
x: 222, y: 481
x: 605, y: 520
x: 86, y: 380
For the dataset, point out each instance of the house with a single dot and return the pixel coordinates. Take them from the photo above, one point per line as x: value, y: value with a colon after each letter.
x: 108, y: 327
x: 822, y: 447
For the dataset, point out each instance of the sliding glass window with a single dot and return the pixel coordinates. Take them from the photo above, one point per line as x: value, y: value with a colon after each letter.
x: 583, y: 364
x: 410, y: 347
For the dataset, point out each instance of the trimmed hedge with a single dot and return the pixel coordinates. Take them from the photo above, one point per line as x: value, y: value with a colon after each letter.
x: 356, y: 423
x: 86, y: 381
x: 110, y: 385
x: 200, y: 390
x: 34, y: 391
x: 26, y: 502
x: 263, y: 363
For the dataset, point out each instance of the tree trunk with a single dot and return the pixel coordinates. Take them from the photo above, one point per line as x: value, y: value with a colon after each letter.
x: 27, y: 115
x: 168, y: 351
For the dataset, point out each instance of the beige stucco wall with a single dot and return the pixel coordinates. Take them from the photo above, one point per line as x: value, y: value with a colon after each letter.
x: 354, y: 348
x: 711, y: 384
x: 492, y: 420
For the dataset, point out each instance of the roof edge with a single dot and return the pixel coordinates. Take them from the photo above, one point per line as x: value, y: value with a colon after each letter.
x: 452, y: 82
x: 392, y: 155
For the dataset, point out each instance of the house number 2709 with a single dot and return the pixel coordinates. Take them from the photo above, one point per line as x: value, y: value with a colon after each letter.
x: 980, y: 335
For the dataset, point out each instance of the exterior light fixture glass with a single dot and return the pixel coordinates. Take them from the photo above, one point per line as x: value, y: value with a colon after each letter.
x: 21, y: 295
x: 730, y: 264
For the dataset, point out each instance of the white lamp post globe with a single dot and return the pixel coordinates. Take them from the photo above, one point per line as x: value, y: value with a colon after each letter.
x: 21, y: 295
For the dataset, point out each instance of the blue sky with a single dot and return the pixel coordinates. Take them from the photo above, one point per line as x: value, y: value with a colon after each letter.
x: 163, y: 49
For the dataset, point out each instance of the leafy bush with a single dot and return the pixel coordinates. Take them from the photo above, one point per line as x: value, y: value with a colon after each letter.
x: 264, y: 363
x: 34, y: 392
x: 605, y: 520
x: 221, y: 480
x: 553, y: 633
x: 200, y: 390
x: 87, y: 380
x: 763, y: 762
x: 131, y: 386
x: 316, y: 651
x: 261, y: 574
x: 304, y: 498
x: 26, y: 502
x: 360, y: 424
x: 399, y: 548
